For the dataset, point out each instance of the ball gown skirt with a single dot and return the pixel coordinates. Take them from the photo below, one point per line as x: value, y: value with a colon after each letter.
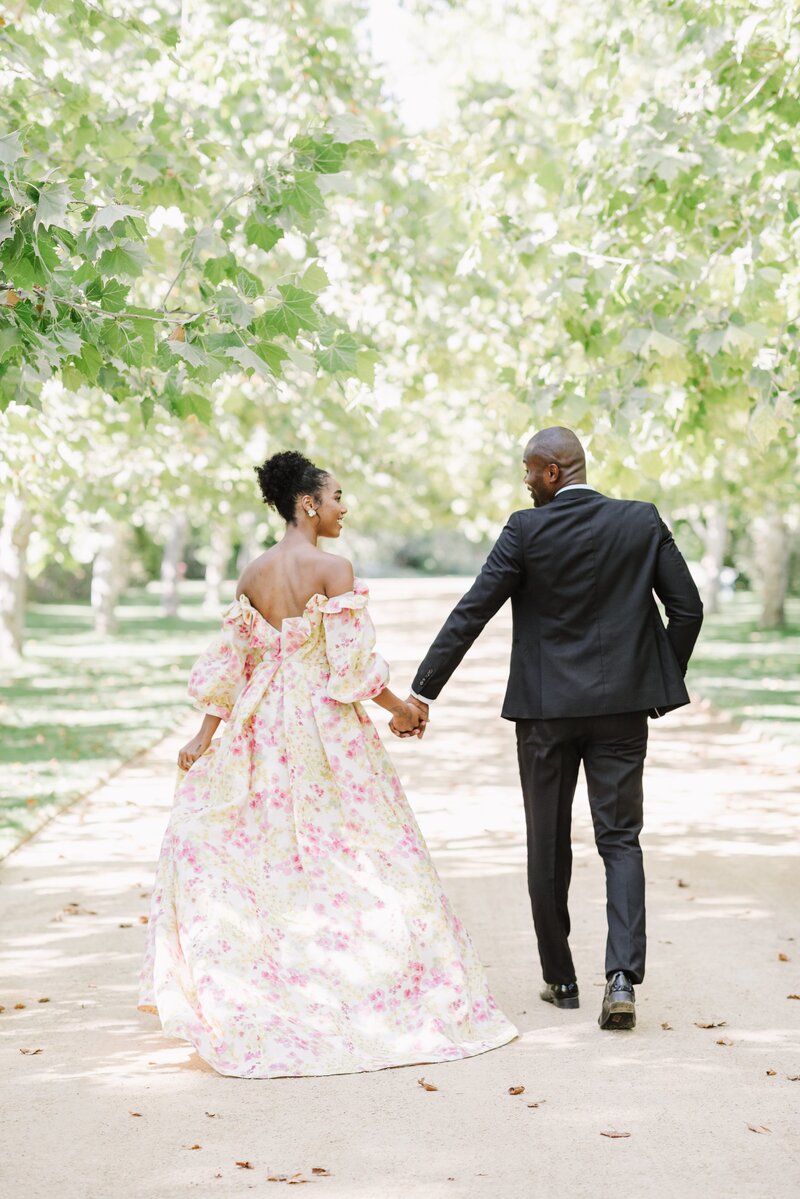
x: 297, y: 923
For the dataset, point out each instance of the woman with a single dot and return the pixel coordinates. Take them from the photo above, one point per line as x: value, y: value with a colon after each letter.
x: 298, y: 925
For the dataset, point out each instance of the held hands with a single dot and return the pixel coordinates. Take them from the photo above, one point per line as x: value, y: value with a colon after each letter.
x: 193, y: 750
x: 409, y: 719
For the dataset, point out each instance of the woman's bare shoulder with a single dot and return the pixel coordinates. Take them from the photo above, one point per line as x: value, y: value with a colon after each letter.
x: 337, y: 574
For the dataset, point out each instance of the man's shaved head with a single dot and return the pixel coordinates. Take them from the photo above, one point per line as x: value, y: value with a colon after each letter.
x: 553, y: 459
x: 558, y: 445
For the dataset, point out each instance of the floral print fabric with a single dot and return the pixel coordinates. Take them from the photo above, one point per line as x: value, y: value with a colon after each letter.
x: 297, y: 923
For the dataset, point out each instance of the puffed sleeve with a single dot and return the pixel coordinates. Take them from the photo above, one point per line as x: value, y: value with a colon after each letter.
x: 357, y: 672
x: 219, y: 674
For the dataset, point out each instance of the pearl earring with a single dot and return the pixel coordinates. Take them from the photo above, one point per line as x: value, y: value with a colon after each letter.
x: 311, y: 512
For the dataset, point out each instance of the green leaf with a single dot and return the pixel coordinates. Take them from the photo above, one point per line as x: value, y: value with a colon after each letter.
x: 231, y: 307
x: 250, y: 361
x: 322, y: 155
x: 315, y: 278
x: 10, y: 149
x: 260, y: 231
x: 112, y: 214
x: 711, y: 342
x: 217, y: 269
x: 302, y: 194
x: 295, y: 312
x: 339, y: 358
x: 185, y: 404
x: 188, y: 351
x: 6, y: 228
x: 124, y: 261
x: 52, y: 206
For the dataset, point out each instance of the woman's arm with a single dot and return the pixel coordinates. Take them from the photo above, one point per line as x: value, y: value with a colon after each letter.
x: 405, y: 717
x: 198, y: 745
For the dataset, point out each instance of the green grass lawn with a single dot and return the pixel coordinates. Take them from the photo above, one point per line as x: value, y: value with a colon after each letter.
x: 83, y: 704
x: 750, y: 673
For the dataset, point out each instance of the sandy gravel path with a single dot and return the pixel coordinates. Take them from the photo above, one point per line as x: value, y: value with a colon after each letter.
x: 722, y: 858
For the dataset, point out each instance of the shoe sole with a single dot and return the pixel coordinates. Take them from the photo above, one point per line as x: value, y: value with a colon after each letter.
x: 569, y: 1003
x: 618, y: 1017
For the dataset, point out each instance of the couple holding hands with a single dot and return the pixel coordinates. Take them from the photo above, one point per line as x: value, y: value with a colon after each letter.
x: 298, y: 925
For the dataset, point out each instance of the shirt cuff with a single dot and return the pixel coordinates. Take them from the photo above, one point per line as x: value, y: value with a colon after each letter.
x: 421, y: 698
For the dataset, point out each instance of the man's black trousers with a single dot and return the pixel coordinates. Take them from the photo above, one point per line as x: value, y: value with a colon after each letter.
x: 612, y: 749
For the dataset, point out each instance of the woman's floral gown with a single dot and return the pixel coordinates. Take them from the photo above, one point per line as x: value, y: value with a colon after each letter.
x: 297, y: 923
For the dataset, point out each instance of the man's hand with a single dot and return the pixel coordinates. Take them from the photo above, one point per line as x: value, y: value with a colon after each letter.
x: 424, y: 711
x: 406, y: 720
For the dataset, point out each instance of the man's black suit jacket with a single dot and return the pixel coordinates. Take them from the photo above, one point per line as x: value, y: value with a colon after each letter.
x: 588, y: 638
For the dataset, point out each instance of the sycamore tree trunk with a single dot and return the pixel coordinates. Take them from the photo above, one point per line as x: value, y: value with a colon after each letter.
x: 15, y: 533
x: 109, y: 573
x: 219, y: 556
x: 715, y: 546
x: 249, y: 546
x: 771, y: 544
x: 172, y: 562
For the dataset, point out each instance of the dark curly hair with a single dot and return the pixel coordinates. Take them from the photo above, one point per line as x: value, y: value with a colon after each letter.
x: 284, y: 477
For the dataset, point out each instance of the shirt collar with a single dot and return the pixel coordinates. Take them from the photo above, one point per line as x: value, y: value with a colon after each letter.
x: 573, y: 487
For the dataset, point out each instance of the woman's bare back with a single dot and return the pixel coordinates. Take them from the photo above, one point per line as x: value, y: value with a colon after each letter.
x: 281, y: 581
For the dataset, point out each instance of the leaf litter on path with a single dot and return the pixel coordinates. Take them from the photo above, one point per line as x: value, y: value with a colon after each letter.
x: 615, y: 1136
x: 711, y: 1024
x: 427, y: 1086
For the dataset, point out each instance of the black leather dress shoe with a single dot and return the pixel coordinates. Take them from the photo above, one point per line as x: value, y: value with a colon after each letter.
x: 619, y: 1004
x: 561, y: 994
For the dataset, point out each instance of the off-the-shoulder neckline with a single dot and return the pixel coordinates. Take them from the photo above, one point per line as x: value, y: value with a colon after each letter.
x: 358, y: 587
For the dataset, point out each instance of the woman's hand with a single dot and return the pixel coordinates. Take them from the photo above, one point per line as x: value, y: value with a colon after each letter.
x: 406, y: 721
x: 193, y: 750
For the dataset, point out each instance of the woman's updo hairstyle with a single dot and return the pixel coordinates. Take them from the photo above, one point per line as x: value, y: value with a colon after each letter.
x: 284, y: 477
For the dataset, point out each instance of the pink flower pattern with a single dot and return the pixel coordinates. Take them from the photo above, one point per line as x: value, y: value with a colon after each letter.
x: 297, y: 924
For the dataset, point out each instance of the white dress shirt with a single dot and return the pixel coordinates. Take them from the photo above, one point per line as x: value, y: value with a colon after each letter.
x: 561, y: 490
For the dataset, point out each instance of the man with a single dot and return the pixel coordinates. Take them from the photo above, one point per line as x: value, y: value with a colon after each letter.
x: 590, y: 660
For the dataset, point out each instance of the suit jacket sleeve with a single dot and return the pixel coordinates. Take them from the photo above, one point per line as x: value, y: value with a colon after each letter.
x: 499, y: 577
x: 676, y: 589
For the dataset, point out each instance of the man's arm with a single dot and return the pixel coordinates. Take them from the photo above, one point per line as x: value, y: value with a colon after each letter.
x: 499, y: 577
x: 676, y: 589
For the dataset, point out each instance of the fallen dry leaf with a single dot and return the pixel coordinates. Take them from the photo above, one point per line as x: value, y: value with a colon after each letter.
x: 793, y: 996
x: 245, y: 1165
x: 427, y: 1086
x: 144, y: 919
x: 321, y: 1171
x: 666, y: 1027
x: 681, y: 883
x: 134, y: 1113
x: 213, y: 1115
x: 724, y: 1041
x: 793, y: 1077
x: 31, y: 1051
x: 615, y: 1135
x: 270, y: 1177
x: 538, y: 1103
x: 783, y: 957
x: 43, y: 1001
x: 193, y: 1146
x: 2, y: 1009
x: 772, y: 1073
x: 17, y: 1006
x: 758, y: 1128
x: 126, y: 926
x: 712, y: 1024
x: 515, y: 1090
